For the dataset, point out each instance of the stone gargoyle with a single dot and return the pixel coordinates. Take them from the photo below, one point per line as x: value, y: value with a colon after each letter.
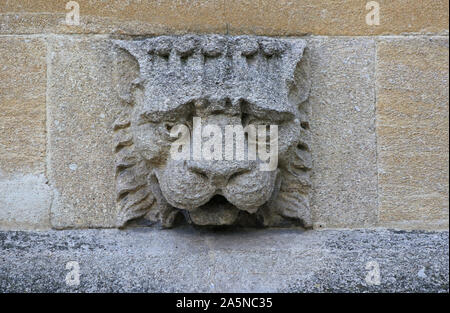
x: 222, y: 80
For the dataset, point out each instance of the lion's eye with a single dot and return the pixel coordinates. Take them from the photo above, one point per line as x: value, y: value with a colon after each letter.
x: 168, y: 126
x: 244, y: 119
x: 249, y: 119
x: 173, y: 131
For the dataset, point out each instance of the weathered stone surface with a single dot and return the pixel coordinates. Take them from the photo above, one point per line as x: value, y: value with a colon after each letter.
x: 334, y: 18
x: 24, y: 202
x: 342, y: 101
x: 262, y: 17
x: 83, y: 96
x: 222, y: 82
x: 412, y: 128
x: 24, y: 196
x: 188, y: 260
x: 22, y: 104
x: 120, y: 17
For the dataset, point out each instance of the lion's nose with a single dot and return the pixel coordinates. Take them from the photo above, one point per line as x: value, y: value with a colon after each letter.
x: 218, y: 173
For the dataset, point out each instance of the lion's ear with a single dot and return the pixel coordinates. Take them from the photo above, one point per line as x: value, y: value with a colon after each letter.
x: 299, y: 84
x: 127, y: 70
x: 137, y: 48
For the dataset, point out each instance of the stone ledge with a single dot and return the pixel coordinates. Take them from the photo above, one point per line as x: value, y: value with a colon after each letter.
x: 191, y: 260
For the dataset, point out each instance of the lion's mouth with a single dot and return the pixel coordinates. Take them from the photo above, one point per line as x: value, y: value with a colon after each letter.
x: 217, y: 211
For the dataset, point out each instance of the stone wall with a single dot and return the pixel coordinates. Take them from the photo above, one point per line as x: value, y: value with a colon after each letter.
x: 379, y: 104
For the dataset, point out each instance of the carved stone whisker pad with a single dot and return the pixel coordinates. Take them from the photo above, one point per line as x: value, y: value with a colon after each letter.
x: 224, y: 80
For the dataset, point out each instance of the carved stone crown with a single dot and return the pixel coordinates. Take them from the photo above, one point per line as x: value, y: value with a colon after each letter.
x: 177, y: 70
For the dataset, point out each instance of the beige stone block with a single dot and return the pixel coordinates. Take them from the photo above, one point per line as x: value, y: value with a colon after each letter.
x: 22, y: 105
x: 25, y: 196
x: 334, y: 18
x: 83, y: 102
x: 259, y: 17
x: 412, y: 129
x: 342, y: 105
x: 24, y: 202
x: 121, y: 17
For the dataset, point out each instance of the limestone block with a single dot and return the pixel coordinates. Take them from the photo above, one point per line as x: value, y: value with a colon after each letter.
x: 22, y: 104
x: 257, y: 17
x: 189, y: 260
x: 24, y: 195
x: 335, y: 18
x: 24, y: 202
x: 412, y: 129
x: 342, y: 104
x: 83, y: 93
x: 120, y: 17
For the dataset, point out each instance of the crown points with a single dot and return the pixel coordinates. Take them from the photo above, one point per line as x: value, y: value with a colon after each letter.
x: 214, y: 46
x: 272, y: 47
x: 163, y: 46
x: 247, y: 46
x: 186, y: 45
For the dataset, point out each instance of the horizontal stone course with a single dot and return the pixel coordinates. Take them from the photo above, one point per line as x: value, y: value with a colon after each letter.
x: 335, y: 18
x: 257, y: 17
x: 189, y: 260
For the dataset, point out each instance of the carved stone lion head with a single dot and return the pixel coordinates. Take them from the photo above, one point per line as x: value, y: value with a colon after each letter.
x: 223, y: 80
